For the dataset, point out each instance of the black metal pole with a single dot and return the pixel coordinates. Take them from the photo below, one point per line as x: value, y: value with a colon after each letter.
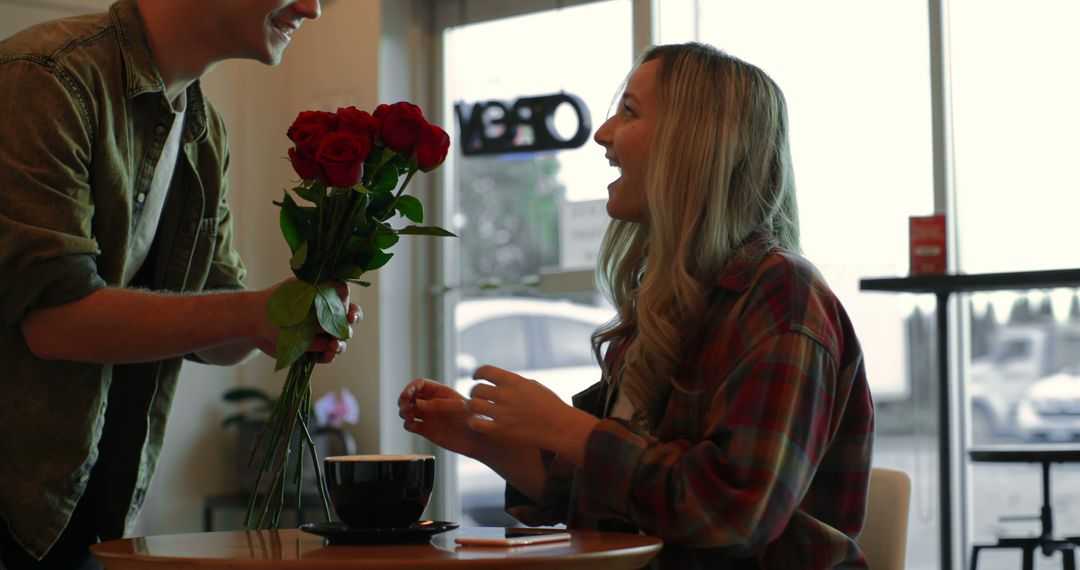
x: 944, y: 431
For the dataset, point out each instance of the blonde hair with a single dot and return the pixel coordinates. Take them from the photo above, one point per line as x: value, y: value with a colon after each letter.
x: 719, y: 168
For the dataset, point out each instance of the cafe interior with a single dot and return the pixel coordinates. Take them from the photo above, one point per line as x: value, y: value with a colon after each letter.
x: 954, y: 117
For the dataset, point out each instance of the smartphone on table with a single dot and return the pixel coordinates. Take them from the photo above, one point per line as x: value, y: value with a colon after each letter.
x: 511, y: 536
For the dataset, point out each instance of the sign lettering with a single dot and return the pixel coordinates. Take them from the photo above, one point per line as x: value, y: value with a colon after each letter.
x: 524, y: 125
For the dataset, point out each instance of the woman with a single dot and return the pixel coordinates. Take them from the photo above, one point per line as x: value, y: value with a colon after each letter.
x: 733, y: 420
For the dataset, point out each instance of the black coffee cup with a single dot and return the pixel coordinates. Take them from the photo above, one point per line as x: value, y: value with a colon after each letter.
x: 379, y: 491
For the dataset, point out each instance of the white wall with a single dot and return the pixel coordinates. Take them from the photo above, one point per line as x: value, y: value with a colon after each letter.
x: 334, y: 61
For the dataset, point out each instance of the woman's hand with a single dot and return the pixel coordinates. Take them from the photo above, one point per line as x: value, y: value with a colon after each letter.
x: 437, y: 412
x: 520, y: 411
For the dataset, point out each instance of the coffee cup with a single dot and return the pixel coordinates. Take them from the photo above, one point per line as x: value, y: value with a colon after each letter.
x: 379, y: 491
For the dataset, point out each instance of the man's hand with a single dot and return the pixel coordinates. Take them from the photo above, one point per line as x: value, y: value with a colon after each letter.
x: 266, y: 332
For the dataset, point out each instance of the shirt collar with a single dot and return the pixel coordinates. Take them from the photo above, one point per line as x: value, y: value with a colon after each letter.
x: 739, y: 271
x: 141, y: 74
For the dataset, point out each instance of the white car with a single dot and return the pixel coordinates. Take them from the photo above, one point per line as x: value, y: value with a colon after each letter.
x: 1050, y: 409
x: 545, y: 340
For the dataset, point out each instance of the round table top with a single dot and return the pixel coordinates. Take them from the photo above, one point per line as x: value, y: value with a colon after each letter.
x: 293, y: 548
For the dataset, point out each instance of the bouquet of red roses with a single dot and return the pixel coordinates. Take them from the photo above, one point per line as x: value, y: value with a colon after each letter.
x: 354, y: 167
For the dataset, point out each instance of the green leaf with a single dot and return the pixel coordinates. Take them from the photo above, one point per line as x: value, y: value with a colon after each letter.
x: 379, y: 205
x: 310, y: 193
x: 331, y: 312
x: 292, y: 224
x: 411, y: 208
x: 360, y: 283
x: 424, y: 231
x: 356, y: 247
x: 299, y: 257
x: 293, y: 342
x: 385, y: 179
x: 378, y: 259
x: 386, y: 239
x: 348, y: 272
x: 359, y: 215
x: 290, y: 303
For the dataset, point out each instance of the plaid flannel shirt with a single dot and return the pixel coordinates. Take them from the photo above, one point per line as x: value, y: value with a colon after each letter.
x: 761, y: 458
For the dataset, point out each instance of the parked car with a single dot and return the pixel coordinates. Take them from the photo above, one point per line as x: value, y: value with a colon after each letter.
x: 545, y: 340
x: 1050, y: 409
x: 1019, y: 356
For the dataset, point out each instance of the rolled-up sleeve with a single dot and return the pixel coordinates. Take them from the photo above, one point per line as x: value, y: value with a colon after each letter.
x: 47, y: 249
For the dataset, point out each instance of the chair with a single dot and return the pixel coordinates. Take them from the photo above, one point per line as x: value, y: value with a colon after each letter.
x: 884, y: 535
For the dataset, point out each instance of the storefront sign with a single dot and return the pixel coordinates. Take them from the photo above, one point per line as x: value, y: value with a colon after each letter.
x: 524, y: 125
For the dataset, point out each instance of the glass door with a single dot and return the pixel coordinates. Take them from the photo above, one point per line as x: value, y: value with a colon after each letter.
x: 518, y: 281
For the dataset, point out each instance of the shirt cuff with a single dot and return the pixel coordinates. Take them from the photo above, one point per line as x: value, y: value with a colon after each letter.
x: 612, y: 455
x: 50, y: 283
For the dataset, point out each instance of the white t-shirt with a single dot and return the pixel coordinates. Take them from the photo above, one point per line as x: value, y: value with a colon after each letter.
x: 153, y: 201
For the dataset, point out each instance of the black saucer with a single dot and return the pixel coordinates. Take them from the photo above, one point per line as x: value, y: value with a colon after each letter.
x: 341, y: 533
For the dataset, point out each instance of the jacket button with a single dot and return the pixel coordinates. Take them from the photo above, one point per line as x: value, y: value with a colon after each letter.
x: 159, y: 130
x: 141, y: 197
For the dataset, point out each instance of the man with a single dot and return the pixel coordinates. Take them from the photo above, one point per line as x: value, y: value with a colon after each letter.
x: 116, y: 255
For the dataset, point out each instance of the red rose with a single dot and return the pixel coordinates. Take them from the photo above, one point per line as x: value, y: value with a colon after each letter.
x: 400, y: 125
x: 431, y: 147
x: 306, y: 168
x: 306, y: 138
x: 380, y: 111
x: 355, y: 121
x: 324, y: 118
x: 341, y: 156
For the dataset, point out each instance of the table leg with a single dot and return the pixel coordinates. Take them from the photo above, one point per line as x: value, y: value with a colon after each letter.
x: 1029, y: 557
x: 944, y: 433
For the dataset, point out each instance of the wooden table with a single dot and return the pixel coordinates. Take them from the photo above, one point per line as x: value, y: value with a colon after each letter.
x: 293, y: 548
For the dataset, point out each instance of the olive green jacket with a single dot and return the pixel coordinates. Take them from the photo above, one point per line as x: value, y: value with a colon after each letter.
x: 84, y: 120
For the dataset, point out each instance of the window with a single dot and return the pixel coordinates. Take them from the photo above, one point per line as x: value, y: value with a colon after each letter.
x: 500, y: 342
x: 528, y: 217
x: 569, y: 341
x: 856, y: 76
x: 1014, y: 120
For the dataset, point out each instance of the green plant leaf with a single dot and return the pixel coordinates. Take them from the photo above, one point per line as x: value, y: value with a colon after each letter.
x: 379, y: 205
x: 410, y: 207
x: 291, y: 222
x: 293, y: 342
x: 299, y: 257
x: 356, y: 247
x: 290, y: 303
x: 386, y: 238
x: 378, y: 259
x: 360, y: 283
x: 331, y: 312
x: 348, y: 272
x: 385, y: 179
x: 311, y: 193
x: 424, y: 231
x: 236, y: 395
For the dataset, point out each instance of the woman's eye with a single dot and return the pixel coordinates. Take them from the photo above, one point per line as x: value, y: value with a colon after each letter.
x: 627, y: 110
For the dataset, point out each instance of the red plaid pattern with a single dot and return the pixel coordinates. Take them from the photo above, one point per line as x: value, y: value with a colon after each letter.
x: 762, y: 456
